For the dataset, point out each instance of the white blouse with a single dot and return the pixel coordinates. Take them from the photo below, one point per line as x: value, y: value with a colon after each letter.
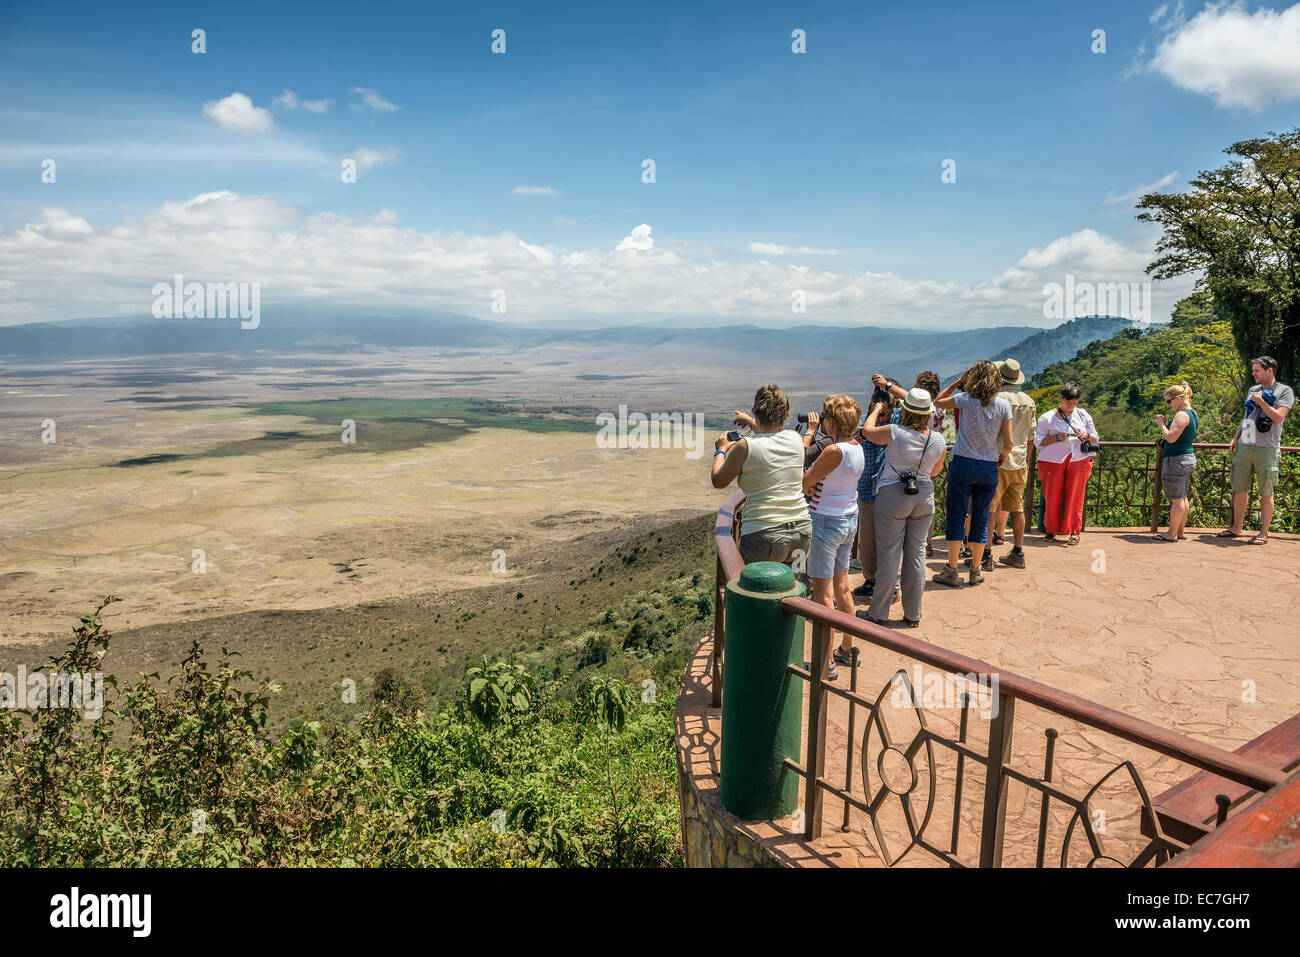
x: 1051, y: 423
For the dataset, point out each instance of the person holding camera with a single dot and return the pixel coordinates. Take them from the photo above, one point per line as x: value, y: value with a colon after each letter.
x: 983, y: 443
x: 1179, y: 461
x: 1257, y: 446
x: 904, y: 504
x: 832, y: 487
x: 1066, y: 439
x: 768, y: 467
x: 873, y: 460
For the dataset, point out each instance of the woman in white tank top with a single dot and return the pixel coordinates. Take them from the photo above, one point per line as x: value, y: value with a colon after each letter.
x: 831, y: 485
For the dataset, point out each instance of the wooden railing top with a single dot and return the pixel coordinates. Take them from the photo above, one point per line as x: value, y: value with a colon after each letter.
x: 1247, y: 771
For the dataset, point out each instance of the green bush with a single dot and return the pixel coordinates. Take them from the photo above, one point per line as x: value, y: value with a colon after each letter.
x: 187, y: 773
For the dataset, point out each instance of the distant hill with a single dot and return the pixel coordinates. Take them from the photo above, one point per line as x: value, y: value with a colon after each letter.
x: 1050, y: 346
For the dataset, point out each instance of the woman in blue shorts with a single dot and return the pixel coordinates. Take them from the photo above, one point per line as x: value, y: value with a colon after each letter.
x: 831, y: 484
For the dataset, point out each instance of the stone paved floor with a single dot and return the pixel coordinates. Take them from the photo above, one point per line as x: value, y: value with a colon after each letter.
x: 1198, y: 636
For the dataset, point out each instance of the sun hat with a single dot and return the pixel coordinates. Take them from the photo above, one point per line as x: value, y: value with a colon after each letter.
x: 918, y: 400
x: 1011, y: 374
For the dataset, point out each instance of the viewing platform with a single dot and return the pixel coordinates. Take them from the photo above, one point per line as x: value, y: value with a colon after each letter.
x: 1149, y: 662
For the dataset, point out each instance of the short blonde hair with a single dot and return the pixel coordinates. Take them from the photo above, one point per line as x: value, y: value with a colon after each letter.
x: 843, y: 411
x: 1182, y: 390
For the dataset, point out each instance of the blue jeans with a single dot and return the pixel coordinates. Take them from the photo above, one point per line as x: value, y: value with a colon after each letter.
x: 832, y: 540
x: 973, y: 483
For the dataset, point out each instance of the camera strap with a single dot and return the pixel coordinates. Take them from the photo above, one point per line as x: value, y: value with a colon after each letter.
x: 925, y: 448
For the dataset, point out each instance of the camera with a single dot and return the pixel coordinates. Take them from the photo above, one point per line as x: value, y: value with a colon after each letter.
x: 880, y: 394
x: 733, y: 436
x: 1087, y: 448
x: 909, y: 483
x: 1262, y: 422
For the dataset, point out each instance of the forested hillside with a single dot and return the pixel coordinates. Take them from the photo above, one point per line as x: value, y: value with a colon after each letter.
x: 1042, y: 349
x: 1123, y: 378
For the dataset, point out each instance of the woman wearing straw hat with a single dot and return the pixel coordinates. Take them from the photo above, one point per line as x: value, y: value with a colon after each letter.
x: 904, y: 507
x: 1179, y: 459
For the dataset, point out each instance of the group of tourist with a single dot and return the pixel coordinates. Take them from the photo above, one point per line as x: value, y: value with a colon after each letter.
x: 867, y: 477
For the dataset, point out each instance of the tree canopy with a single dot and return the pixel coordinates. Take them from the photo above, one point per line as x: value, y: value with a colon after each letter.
x: 1239, y: 227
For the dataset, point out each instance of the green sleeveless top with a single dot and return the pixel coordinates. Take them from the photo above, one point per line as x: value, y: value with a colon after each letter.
x: 1185, y: 439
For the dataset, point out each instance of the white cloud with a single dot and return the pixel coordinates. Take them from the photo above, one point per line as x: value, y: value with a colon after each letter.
x: 60, y: 222
x: 1243, y: 60
x: 289, y: 100
x: 60, y: 266
x: 368, y: 159
x: 1139, y: 191
x: 775, y: 249
x: 535, y: 191
x: 237, y: 112
x: 1086, y: 251
x: 370, y: 100
x: 639, y: 240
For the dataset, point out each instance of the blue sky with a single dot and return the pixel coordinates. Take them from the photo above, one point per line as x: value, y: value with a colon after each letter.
x: 836, y: 152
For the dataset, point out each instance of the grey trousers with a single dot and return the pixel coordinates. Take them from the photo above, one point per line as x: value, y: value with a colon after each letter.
x: 902, y: 527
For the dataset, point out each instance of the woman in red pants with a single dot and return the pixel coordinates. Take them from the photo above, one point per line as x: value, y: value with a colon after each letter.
x: 1063, y: 466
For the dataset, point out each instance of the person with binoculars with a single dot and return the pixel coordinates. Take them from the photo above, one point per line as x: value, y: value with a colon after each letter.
x: 831, y: 485
x: 1257, y: 446
x: 904, y: 502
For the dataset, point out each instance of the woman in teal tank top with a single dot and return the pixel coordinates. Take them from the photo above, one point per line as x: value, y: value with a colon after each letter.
x: 1179, y: 459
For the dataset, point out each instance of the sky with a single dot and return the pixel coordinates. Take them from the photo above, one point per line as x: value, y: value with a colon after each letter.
x: 932, y: 164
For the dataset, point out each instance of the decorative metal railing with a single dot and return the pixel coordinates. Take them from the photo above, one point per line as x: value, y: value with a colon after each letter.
x: 891, y: 764
x: 1125, y: 489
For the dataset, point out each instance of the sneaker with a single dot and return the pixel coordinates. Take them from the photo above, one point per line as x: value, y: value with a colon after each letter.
x: 866, y: 616
x: 865, y: 590
x: 1048, y: 536
x: 976, y: 576
x: 965, y: 551
x: 855, y: 565
x: 986, y: 563
x: 842, y: 657
x: 929, y: 550
x: 898, y: 596
x: 909, y: 623
x: 832, y: 672
x: 1074, y: 540
x: 1016, y: 559
x: 947, y: 576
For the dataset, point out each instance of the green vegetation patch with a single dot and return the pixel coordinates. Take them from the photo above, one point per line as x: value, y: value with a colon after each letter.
x: 398, y: 424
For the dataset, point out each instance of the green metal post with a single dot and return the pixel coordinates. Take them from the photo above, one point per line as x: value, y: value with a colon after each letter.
x: 761, y: 701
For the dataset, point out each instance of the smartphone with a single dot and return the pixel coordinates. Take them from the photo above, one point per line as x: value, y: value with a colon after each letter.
x: 733, y: 436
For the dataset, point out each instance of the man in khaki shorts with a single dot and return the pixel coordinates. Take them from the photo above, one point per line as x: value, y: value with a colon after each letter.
x: 1257, y: 446
x: 1014, y: 471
